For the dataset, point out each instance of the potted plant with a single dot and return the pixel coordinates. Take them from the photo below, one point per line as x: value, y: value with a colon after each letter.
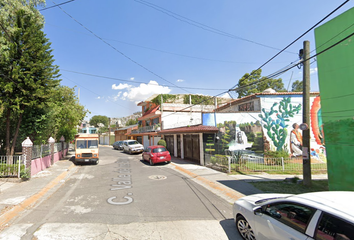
x: 157, y: 126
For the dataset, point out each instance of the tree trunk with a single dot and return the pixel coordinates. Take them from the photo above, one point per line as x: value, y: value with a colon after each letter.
x: 16, y: 132
x: 7, y: 141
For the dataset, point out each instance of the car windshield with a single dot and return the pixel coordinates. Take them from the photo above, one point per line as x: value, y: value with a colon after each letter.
x: 133, y: 143
x: 82, y: 144
x: 157, y: 150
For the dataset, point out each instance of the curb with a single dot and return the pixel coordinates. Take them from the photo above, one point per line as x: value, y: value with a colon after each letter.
x: 224, y: 191
x: 14, y: 211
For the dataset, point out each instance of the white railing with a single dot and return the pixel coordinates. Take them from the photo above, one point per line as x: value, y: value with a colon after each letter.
x: 147, y: 129
x: 11, y: 166
x: 40, y: 151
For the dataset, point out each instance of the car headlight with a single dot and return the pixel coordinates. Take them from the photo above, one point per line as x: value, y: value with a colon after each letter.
x: 95, y: 155
x: 78, y: 155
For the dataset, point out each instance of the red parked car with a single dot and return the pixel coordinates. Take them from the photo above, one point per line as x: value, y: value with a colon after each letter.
x: 156, y: 154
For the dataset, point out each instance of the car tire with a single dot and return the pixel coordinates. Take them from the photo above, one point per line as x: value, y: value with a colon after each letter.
x: 244, y: 228
x: 130, y: 152
x: 151, y: 162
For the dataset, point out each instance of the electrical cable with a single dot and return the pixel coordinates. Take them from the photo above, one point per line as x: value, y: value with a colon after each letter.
x: 133, y: 81
x: 94, y: 92
x: 297, y: 39
x: 55, y: 5
x: 201, y: 25
x: 120, y: 52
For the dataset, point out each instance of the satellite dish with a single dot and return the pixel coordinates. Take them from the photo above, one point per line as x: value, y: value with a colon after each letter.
x: 303, y: 126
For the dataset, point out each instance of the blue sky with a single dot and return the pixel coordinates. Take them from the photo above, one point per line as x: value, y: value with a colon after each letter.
x: 161, y: 50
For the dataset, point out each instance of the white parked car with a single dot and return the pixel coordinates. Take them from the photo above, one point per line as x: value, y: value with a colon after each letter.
x: 318, y: 215
x: 132, y: 146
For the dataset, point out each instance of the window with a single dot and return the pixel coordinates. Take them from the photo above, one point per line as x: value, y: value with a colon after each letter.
x: 294, y: 215
x: 92, y: 144
x: 157, y: 150
x: 155, y: 121
x: 133, y: 142
x: 332, y: 228
x: 147, y: 123
x: 246, y: 107
x: 80, y: 144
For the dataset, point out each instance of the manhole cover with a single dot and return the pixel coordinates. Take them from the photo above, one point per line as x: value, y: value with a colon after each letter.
x: 158, y: 177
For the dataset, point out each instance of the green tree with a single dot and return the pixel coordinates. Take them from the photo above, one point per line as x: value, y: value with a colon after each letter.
x: 297, y: 86
x: 95, y: 120
x: 27, y: 73
x: 131, y: 122
x: 244, y: 88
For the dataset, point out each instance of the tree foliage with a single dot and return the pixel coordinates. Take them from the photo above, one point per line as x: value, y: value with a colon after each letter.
x: 244, y: 88
x: 131, y: 122
x: 95, y: 120
x: 166, y: 98
x: 27, y: 73
x: 32, y: 102
x: 199, y: 99
x: 297, y: 86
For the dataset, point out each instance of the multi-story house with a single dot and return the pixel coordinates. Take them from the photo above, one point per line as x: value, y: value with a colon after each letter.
x: 176, y: 120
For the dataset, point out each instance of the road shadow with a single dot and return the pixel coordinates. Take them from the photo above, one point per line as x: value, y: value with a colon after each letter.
x: 240, y: 186
x: 230, y: 229
x: 156, y: 164
x: 183, y: 161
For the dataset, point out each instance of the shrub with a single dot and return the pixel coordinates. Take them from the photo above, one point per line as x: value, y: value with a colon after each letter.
x: 161, y: 142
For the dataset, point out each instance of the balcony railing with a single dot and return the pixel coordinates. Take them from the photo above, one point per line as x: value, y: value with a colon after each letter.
x: 145, y: 129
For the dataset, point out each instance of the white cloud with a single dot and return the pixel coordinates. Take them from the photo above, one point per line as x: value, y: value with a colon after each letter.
x: 144, y: 91
x: 120, y: 86
x: 115, y: 98
x: 98, y: 97
x: 132, y: 78
x: 313, y: 70
x: 180, y: 80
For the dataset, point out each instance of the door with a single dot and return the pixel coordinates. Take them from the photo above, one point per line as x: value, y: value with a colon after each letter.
x: 196, y: 149
x: 178, y: 145
x: 283, y: 220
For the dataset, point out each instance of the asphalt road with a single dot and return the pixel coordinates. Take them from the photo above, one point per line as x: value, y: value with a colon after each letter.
x: 125, y: 198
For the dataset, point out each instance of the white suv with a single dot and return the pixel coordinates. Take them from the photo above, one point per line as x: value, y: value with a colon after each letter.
x: 132, y: 146
x: 318, y: 215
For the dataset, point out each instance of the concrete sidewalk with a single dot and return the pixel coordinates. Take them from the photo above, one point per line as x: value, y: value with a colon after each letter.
x: 17, y: 196
x: 229, y: 187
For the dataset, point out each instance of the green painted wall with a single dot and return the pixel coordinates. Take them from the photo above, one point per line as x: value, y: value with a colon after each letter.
x: 336, y: 81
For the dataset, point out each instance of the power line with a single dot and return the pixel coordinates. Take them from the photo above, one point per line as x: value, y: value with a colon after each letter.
x: 56, y: 5
x: 296, y: 39
x: 94, y: 92
x: 132, y: 81
x: 313, y: 56
x: 161, y: 51
x: 200, y: 25
x: 120, y: 52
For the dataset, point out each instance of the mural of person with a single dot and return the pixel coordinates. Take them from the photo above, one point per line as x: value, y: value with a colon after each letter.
x: 296, y: 141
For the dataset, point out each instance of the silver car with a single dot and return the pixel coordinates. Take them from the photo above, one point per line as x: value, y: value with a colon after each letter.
x: 319, y: 215
x: 132, y: 146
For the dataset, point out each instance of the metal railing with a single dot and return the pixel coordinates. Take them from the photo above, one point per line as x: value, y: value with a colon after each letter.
x: 40, y: 151
x: 147, y: 129
x: 11, y: 166
x: 236, y: 161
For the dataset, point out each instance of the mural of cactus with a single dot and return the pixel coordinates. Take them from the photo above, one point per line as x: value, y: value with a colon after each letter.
x: 276, y: 126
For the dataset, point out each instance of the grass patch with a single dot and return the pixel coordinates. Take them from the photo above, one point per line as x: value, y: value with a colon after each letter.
x: 294, y: 188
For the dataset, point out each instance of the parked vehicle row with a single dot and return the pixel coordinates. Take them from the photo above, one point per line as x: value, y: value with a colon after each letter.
x: 152, y: 154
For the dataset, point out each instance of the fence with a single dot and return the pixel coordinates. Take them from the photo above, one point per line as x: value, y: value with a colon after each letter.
x: 40, y: 151
x: 236, y: 161
x: 11, y: 166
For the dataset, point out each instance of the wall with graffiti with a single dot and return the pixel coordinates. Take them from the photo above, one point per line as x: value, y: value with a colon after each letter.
x: 272, y: 129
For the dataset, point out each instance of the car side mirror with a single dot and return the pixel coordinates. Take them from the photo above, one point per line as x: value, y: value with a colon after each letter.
x: 258, y: 211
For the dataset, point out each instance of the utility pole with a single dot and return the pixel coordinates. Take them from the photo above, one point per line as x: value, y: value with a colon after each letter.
x: 109, y: 131
x: 306, y: 158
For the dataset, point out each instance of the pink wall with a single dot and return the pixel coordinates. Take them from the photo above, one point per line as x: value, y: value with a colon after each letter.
x: 39, y: 164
